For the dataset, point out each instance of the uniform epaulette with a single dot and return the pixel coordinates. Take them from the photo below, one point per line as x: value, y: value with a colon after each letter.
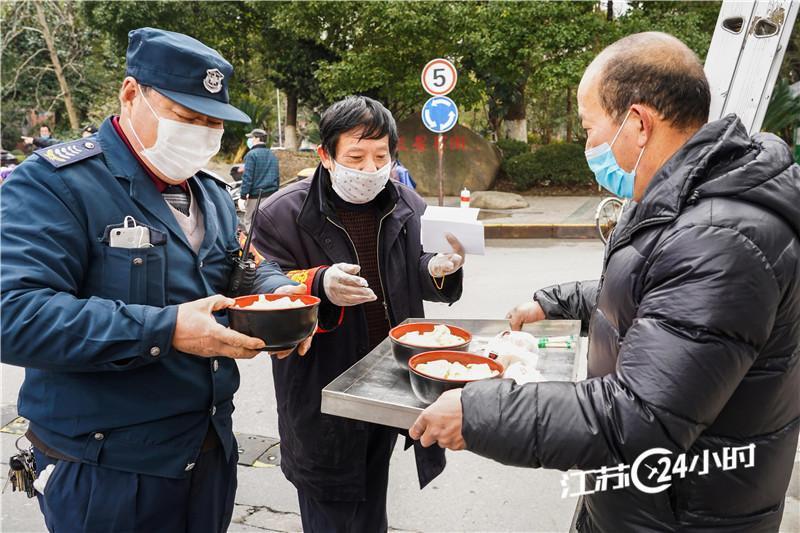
x: 61, y: 155
x: 205, y: 173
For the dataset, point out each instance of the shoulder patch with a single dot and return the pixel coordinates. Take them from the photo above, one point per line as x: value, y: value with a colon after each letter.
x: 61, y: 155
x: 205, y: 173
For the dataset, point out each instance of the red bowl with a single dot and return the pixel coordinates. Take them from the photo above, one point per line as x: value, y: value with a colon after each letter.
x: 428, y: 388
x: 403, y: 351
x: 280, y: 329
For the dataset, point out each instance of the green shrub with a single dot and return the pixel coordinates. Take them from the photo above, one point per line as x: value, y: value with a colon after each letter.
x: 552, y: 164
x: 512, y: 148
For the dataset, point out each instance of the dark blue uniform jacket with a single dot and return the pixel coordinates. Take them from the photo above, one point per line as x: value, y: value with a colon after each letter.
x: 93, y: 325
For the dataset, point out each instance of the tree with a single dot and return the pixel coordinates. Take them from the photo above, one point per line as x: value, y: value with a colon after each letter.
x: 378, y: 49
x: 264, y: 55
x: 512, y: 46
x: 229, y: 27
x: 783, y: 112
x: 45, y: 48
x: 552, y: 92
x: 290, y: 61
x: 790, y: 70
x: 519, y: 62
x: 691, y: 22
x: 58, y: 70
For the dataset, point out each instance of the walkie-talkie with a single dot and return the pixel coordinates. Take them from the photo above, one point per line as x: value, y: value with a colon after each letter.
x: 243, y: 276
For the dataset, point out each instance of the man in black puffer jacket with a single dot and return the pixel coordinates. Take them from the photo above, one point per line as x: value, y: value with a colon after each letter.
x: 694, y: 325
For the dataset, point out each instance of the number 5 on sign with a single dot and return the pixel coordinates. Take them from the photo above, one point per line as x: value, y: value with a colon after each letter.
x: 439, y: 77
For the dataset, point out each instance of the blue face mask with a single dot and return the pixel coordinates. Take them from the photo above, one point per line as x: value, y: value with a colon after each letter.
x: 250, y: 142
x: 607, y: 171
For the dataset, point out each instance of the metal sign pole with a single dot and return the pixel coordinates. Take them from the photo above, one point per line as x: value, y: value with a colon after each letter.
x: 439, y: 114
x: 440, y: 167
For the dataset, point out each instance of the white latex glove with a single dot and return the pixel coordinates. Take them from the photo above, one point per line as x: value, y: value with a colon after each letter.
x: 242, y: 204
x: 442, y: 265
x: 344, y: 287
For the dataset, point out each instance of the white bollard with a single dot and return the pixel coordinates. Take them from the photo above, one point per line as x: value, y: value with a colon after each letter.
x: 465, y: 197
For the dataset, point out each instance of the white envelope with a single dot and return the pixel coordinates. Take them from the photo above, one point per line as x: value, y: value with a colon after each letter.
x: 460, y: 221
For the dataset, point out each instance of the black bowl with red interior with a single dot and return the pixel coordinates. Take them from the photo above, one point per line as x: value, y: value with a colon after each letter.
x: 428, y: 388
x: 280, y: 328
x: 403, y: 351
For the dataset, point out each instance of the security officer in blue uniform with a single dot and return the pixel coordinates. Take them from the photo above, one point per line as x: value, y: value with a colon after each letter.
x: 116, y: 249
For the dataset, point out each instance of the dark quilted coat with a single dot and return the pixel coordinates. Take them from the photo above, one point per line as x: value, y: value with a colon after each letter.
x: 694, y: 330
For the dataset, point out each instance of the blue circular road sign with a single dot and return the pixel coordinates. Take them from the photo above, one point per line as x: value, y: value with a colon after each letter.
x: 439, y: 114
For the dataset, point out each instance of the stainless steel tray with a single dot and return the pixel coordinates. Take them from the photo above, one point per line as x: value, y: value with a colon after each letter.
x: 377, y: 390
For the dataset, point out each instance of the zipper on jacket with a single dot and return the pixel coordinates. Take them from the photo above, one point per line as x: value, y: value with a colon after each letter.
x: 380, y: 278
x: 693, y: 198
x: 611, y: 249
x: 355, y: 251
x: 348, y: 238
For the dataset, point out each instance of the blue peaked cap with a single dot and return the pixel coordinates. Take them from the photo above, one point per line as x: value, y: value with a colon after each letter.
x: 184, y: 70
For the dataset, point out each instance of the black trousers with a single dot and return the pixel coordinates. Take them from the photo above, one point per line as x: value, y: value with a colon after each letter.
x: 81, y: 498
x: 367, y: 516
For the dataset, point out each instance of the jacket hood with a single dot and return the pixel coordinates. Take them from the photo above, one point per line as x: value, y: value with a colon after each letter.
x: 721, y: 159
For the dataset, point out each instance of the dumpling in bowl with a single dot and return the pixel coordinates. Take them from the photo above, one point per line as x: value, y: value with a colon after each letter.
x: 439, y: 337
x: 262, y: 304
x: 436, y: 369
x: 456, y: 371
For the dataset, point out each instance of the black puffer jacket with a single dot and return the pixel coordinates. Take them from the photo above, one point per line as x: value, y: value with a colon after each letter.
x: 694, y: 335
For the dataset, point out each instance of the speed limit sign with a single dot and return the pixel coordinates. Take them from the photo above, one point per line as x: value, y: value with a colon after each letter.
x: 439, y: 77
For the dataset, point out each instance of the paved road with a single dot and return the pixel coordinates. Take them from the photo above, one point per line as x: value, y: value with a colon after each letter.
x: 540, y: 210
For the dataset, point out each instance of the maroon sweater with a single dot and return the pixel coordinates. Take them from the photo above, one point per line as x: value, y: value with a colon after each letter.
x: 361, y: 224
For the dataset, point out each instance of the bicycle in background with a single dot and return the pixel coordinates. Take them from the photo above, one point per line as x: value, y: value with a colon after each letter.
x: 607, y: 215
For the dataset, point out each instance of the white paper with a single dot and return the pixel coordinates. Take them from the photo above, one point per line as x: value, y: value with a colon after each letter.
x: 460, y: 221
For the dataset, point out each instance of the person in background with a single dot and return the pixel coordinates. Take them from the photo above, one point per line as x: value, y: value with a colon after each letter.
x: 401, y: 174
x: 8, y: 162
x: 44, y: 139
x: 352, y: 236
x: 694, y: 324
x: 261, y: 174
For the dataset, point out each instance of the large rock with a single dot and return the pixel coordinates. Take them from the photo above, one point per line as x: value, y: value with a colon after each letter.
x: 497, y: 200
x: 469, y: 159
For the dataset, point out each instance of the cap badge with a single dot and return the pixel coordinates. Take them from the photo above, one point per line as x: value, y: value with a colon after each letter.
x: 213, y: 81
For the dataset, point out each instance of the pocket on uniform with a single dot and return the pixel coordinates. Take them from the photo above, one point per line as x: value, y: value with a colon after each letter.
x: 48, y: 477
x: 133, y: 275
x: 43, y: 463
x: 90, y: 498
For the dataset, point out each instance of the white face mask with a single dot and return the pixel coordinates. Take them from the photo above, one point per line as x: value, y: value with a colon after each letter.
x: 180, y: 149
x: 357, y: 186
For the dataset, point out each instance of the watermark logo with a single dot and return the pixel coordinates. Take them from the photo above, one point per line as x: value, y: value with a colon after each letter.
x: 653, y: 471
